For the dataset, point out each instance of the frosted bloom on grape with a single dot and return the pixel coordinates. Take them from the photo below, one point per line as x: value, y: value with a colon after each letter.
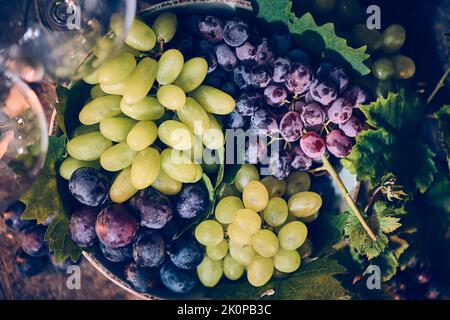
x: 235, y: 32
x: 340, y: 78
x: 339, y: 144
x: 280, y: 68
x: 352, y: 127
x: 246, y: 53
x: 275, y: 95
x: 291, y: 126
x: 298, y: 106
x: 225, y: 57
x: 300, y: 161
x: 308, y: 98
x: 313, y: 145
x: 264, y: 121
x: 299, y: 77
x: 211, y: 29
x: 280, y: 165
x: 356, y: 95
x: 324, y: 92
x: 241, y: 77
x: 340, y: 111
x: 260, y: 76
x: 248, y: 103
x: 264, y: 51
x: 313, y: 114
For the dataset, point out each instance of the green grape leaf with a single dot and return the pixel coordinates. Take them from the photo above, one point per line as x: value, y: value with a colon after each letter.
x: 59, y: 241
x: 60, y: 107
x: 314, y: 281
x: 321, y: 40
x: 326, y: 232
x: 443, y: 116
x: 388, y: 264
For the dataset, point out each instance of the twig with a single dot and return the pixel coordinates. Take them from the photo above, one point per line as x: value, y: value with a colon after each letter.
x: 438, y: 87
x: 373, y: 195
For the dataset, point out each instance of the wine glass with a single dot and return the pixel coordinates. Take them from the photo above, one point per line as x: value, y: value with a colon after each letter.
x: 57, y: 37
x: 23, y: 137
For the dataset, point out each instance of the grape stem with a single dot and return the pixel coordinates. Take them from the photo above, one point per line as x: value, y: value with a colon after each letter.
x: 438, y: 87
x: 351, y: 203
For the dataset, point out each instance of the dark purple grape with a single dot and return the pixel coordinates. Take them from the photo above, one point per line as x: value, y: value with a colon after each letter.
x: 192, y: 23
x: 340, y: 111
x: 313, y: 145
x: 116, y: 226
x: 211, y: 29
x: 264, y: 122
x: 308, y: 98
x: 230, y: 88
x: 33, y: 242
x: 298, y: 106
x: 280, y: 165
x: 264, y: 51
x: 324, y: 70
x: 82, y: 226
x: 30, y: 266
x: 171, y: 229
x: 186, y: 44
x: 275, y: 95
x: 299, y: 77
x: 280, y: 68
x: 283, y: 42
x: 141, y: 279
x: 356, y: 95
x: 340, y: 78
x: 11, y: 218
x: 216, y: 78
x: 339, y: 144
x: 256, y: 149
x: 226, y: 58
x: 177, y: 280
x: 260, y: 76
x: 246, y: 53
x: 313, y: 114
x: 192, y: 201
x: 186, y: 253
x: 205, y: 46
x: 122, y: 254
x: 300, y: 161
x: 291, y: 126
x: 210, y: 59
x: 235, y: 120
x: 60, y: 266
x: 235, y: 32
x: 152, y: 207
x: 352, y: 127
x: 241, y: 77
x: 248, y: 103
x: 324, y: 92
x: 149, y: 249
x: 299, y: 55
x: 89, y: 186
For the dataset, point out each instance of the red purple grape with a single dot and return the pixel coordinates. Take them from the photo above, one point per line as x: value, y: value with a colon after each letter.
x: 235, y: 32
x: 211, y: 29
x: 291, y: 126
x: 89, y: 186
x: 275, y: 95
x: 260, y: 76
x: 298, y: 106
x: 149, y: 249
x: 352, y: 127
x: 356, y: 95
x: 280, y: 68
x: 313, y: 145
x: 177, y: 280
x: 280, y: 165
x: 82, y: 226
x: 264, y: 51
x: 152, y: 207
x: 246, y: 53
x: 140, y: 278
x: 248, y: 103
x: 33, y: 242
x: 340, y: 78
x: 324, y: 92
x: 263, y: 121
x: 235, y: 120
x: 340, y: 111
x: 226, y: 58
x: 339, y: 144
x: 256, y: 149
x: 299, y: 77
x: 300, y: 161
x: 313, y: 114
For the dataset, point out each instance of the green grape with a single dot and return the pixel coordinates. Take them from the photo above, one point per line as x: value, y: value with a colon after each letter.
x: 196, y: 151
x: 176, y: 135
x: 265, y: 243
x: 231, y: 269
x: 349, y: 11
x: 290, y: 218
x: 117, y: 157
x: 170, y: 65
x: 287, y: 260
x: 405, y: 68
x: 70, y: 165
x: 213, y: 100
x: 114, y: 89
x: 117, y: 69
x: 88, y: 147
x: 309, y: 219
x: 96, y: 92
x: 116, y: 129
x: 260, y: 271
x: 179, y: 167
x: 83, y: 129
x: 194, y: 116
x: 140, y: 82
x: 140, y: 37
x: 171, y: 97
x: 363, y: 36
x: 275, y: 187
x: 292, y: 235
x: 148, y: 108
x: 209, y: 272
x: 238, y: 235
x: 213, y: 138
x: 383, y: 69
x: 193, y: 74
x: 246, y: 173
x: 219, y: 251
x: 306, y: 249
x: 276, y: 212
x: 165, y: 26
x: 226, y: 208
x: 324, y: 6
x: 210, y: 163
x: 199, y: 175
x: 122, y: 189
x: 92, y: 78
x: 142, y: 135
x: 209, y: 233
x: 105, y: 46
x: 304, y: 204
x: 242, y: 254
x: 166, y: 185
x: 297, y: 182
x: 145, y: 168
x: 255, y: 196
x: 393, y: 38
x: 248, y: 220
x: 100, y: 109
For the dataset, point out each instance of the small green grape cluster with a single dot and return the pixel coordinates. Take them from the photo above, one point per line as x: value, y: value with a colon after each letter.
x: 257, y: 230
x: 127, y: 113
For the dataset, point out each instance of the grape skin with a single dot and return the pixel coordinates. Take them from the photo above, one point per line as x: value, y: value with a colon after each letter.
x: 211, y: 29
x: 225, y: 57
x: 299, y: 77
x: 312, y: 145
x: 89, y: 186
x: 235, y: 32
x: 340, y: 78
x: 275, y: 95
x: 280, y: 165
x: 241, y: 77
x: 263, y: 121
x: 140, y: 278
x: 153, y: 208
x: 177, y: 280
x: 324, y: 92
x: 338, y: 144
x: 246, y: 53
x: 300, y: 161
x: 82, y: 226
x: 291, y: 126
x: 264, y: 51
x: 249, y: 103
x: 33, y: 242
x: 356, y: 95
x: 340, y: 111
x: 149, y: 249
x: 352, y: 127
x: 260, y: 76
x: 280, y: 68
x: 313, y: 114
x: 186, y: 253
